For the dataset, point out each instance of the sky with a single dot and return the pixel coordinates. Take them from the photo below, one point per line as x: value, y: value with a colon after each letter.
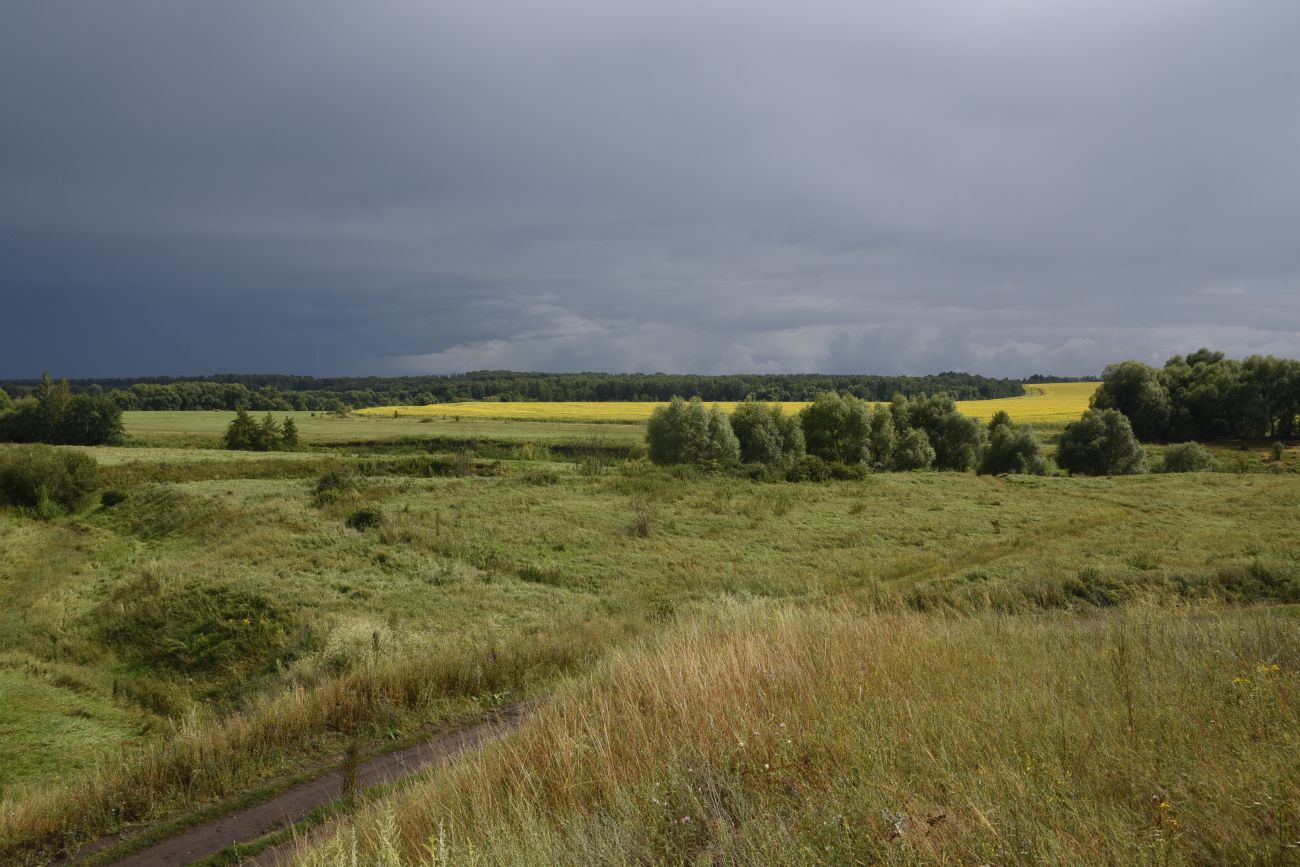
x: 398, y: 187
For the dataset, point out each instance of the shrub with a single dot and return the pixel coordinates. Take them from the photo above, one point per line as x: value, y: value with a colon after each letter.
x: 335, y: 485
x: 684, y: 432
x: 1278, y: 450
x: 47, y: 479
x: 837, y: 428
x: 955, y: 438
x: 913, y: 451
x: 766, y: 434
x: 1186, y: 458
x: 1101, y: 443
x: 1011, y: 449
x: 809, y: 468
x: 244, y: 434
x: 365, y: 519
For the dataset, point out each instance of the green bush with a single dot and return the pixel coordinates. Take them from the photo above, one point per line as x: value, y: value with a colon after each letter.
x: 365, y: 519
x: 47, y: 479
x: 913, y: 451
x: 1011, y: 449
x: 837, y: 428
x: 684, y: 432
x: 766, y: 434
x: 1101, y: 443
x: 809, y: 468
x: 335, y: 485
x: 1186, y: 458
x: 268, y: 435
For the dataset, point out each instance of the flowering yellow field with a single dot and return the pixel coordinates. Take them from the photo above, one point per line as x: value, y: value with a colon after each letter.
x: 1049, y: 403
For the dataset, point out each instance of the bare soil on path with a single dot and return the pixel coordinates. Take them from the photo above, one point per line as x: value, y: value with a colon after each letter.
x: 296, y: 803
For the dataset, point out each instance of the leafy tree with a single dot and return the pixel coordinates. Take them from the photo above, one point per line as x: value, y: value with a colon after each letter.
x: 89, y: 420
x: 1101, y: 443
x: 913, y: 451
x: 684, y: 432
x: 882, y: 438
x: 955, y: 438
x: 1186, y: 458
x: 1011, y: 449
x: 289, y: 433
x: 5, y: 400
x: 837, y: 428
x: 766, y: 434
x: 1138, y: 391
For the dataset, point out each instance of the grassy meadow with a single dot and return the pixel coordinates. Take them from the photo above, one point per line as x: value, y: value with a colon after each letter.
x: 1034, y: 657
x: 1046, y: 405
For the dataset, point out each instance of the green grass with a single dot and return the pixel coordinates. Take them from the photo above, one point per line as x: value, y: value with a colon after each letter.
x: 205, y: 429
x: 215, y: 624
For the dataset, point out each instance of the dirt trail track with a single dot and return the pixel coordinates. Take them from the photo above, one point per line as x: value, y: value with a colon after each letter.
x: 294, y: 804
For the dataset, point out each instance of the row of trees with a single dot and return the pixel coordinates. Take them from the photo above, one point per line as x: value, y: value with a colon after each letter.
x: 269, y: 435
x: 1205, y: 396
x: 51, y: 413
x: 260, y: 393
x: 906, y: 434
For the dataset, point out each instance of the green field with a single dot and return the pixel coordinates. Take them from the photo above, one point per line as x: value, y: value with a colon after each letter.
x: 214, y: 627
x: 204, y: 429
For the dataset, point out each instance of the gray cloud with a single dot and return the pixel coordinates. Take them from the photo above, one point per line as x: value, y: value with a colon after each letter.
x: 398, y: 186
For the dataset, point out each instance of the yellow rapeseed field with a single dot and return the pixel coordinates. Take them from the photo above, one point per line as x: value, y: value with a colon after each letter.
x: 1048, y: 404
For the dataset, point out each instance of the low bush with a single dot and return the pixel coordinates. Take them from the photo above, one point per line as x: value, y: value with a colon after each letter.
x: 1101, y: 443
x: 1186, y: 458
x: 46, y: 479
x: 365, y: 519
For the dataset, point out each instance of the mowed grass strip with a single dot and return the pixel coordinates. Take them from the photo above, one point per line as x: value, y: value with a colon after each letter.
x: 1045, y: 404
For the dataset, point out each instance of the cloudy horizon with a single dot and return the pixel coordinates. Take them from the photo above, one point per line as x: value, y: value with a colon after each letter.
x: 397, y: 187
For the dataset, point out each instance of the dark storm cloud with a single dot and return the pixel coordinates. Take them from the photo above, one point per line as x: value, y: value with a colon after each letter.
x: 406, y: 186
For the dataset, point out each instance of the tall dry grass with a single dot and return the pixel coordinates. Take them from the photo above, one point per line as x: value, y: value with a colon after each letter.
x: 199, y: 761
x: 780, y: 736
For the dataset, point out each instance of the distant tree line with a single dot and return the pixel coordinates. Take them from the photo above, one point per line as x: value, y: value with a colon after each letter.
x: 1205, y: 396
x: 52, y: 413
x: 276, y: 393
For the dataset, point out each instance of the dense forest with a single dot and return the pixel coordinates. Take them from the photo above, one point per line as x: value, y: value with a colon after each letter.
x: 274, y: 392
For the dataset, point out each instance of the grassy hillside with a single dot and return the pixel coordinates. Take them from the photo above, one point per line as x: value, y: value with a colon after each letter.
x: 780, y: 735
x: 224, y: 624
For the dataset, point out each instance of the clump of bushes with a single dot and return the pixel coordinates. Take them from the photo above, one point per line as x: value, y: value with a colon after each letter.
x: 766, y: 434
x: 1101, y: 443
x: 1011, y: 449
x: 245, y: 434
x: 842, y: 432
x: 1186, y: 458
x: 47, y: 480
x: 685, y: 432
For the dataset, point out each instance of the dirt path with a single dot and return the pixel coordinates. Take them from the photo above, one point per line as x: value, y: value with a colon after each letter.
x: 294, y: 804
